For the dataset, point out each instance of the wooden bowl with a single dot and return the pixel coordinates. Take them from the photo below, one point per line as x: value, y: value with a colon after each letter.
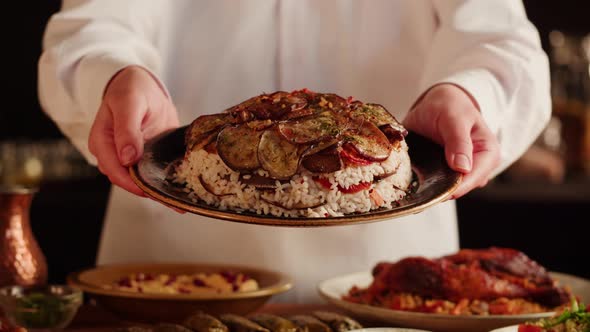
x: 145, y: 307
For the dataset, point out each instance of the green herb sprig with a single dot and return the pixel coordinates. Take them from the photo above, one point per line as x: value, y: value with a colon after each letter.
x: 576, y: 313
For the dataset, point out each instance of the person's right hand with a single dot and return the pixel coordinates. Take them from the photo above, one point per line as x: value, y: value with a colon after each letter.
x: 133, y: 110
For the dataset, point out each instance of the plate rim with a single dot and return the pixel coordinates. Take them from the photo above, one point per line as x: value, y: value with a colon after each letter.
x: 283, y: 284
x: 509, y: 328
x: 251, y: 218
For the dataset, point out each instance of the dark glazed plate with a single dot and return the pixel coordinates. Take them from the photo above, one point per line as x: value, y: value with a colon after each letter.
x: 436, y: 182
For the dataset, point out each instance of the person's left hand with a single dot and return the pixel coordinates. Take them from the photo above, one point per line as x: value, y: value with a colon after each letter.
x: 449, y: 116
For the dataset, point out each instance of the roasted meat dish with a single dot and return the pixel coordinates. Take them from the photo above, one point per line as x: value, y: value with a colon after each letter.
x: 482, y: 276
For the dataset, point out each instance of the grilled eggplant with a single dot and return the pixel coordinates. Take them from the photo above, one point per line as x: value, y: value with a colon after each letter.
x: 282, y: 131
x: 164, y: 327
x: 337, y: 322
x: 134, y: 329
x: 275, y: 323
x: 202, y: 322
x: 308, y: 323
x: 237, y: 323
x: 202, y: 126
x: 278, y: 156
x: 237, y: 146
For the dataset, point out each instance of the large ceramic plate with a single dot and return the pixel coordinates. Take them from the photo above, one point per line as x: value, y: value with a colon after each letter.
x: 333, y: 290
x: 97, y: 284
x: 436, y: 182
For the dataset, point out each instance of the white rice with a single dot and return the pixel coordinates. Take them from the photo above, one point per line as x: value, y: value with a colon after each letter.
x: 301, y: 189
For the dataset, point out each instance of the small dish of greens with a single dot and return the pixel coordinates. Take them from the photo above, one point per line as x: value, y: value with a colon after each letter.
x: 48, y: 307
x: 573, y: 319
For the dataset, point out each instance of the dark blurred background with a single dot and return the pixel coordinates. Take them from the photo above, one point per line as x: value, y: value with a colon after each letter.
x: 541, y: 205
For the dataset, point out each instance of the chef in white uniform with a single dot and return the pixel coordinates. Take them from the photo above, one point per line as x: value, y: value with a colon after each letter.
x: 116, y: 72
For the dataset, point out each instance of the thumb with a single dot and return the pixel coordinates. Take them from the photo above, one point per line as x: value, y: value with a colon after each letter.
x: 456, y: 136
x: 128, y: 113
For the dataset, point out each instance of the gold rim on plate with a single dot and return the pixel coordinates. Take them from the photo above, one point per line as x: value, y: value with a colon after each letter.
x: 436, y: 183
x: 105, y: 276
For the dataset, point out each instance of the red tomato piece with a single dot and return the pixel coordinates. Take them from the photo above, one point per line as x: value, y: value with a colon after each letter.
x: 323, y: 182
x: 350, y: 190
x: 355, y: 188
x: 529, y: 328
x: 352, y: 157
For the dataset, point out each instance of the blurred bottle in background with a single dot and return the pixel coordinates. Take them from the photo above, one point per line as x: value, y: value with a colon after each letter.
x: 570, y: 74
x: 30, y: 163
x: 562, y: 151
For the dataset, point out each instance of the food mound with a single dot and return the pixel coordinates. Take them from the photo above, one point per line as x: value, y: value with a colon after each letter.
x: 198, y: 283
x: 297, y: 154
x: 494, y: 281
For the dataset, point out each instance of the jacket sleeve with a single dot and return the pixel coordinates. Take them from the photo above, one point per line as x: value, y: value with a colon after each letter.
x: 84, y: 46
x: 491, y: 50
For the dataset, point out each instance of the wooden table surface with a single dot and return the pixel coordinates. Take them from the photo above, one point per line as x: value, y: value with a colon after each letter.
x: 91, y: 318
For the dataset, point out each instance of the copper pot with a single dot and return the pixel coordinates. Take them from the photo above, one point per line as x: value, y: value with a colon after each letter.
x: 21, y: 260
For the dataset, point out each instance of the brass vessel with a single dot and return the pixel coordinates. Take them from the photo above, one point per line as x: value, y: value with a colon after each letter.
x: 21, y: 260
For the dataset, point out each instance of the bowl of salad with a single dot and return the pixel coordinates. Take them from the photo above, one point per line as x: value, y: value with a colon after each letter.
x: 46, y: 307
x: 575, y: 318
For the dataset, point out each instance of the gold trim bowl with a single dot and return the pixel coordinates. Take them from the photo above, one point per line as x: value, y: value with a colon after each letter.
x: 157, y: 307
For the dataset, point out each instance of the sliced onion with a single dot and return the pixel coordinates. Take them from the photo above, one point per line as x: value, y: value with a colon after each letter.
x: 296, y: 206
x: 209, y: 188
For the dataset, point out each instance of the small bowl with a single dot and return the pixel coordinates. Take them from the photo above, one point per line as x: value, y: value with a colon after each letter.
x: 156, y: 307
x: 46, y: 307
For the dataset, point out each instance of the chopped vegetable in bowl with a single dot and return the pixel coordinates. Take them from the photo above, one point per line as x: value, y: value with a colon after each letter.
x: 48, y: 307
x: 573, y: 319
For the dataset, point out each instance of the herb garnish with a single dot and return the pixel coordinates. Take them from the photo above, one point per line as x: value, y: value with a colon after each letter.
x: 576, y: 313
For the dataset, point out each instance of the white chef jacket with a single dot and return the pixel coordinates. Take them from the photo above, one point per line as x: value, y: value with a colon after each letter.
x: 210, y: 55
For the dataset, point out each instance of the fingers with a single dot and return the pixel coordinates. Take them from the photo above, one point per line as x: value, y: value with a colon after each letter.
x: 134, y: 108
x: 128, y: 112
x: 102, y: 145
x: 456, y: 136
x: 486, y: 157
x: 449, y: 116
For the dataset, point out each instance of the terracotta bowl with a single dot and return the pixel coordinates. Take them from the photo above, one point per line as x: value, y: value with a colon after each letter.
x: 144, y: 307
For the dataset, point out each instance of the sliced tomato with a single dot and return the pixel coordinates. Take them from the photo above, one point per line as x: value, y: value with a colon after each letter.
x: 323, y: 182
x: 529, y: 328
x: 352, y: 157
x: 350, y: 190
x: 355, y: 188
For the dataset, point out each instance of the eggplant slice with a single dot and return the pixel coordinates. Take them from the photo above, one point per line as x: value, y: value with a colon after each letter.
x: 337, y: 322
x: 258, y: 181
x: 134, y: 329
x: 275, y: 323
x: 307, y: 323
x: 370, y: 142
x: 278, y: 156
x: 325, y: 161
x: 238, y: 147
x: 311, y: 129
x: 165, y: 327
x: 203, y: 125
x: 237, y: 323
x: 202, y: 322
x: 281, y: 131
